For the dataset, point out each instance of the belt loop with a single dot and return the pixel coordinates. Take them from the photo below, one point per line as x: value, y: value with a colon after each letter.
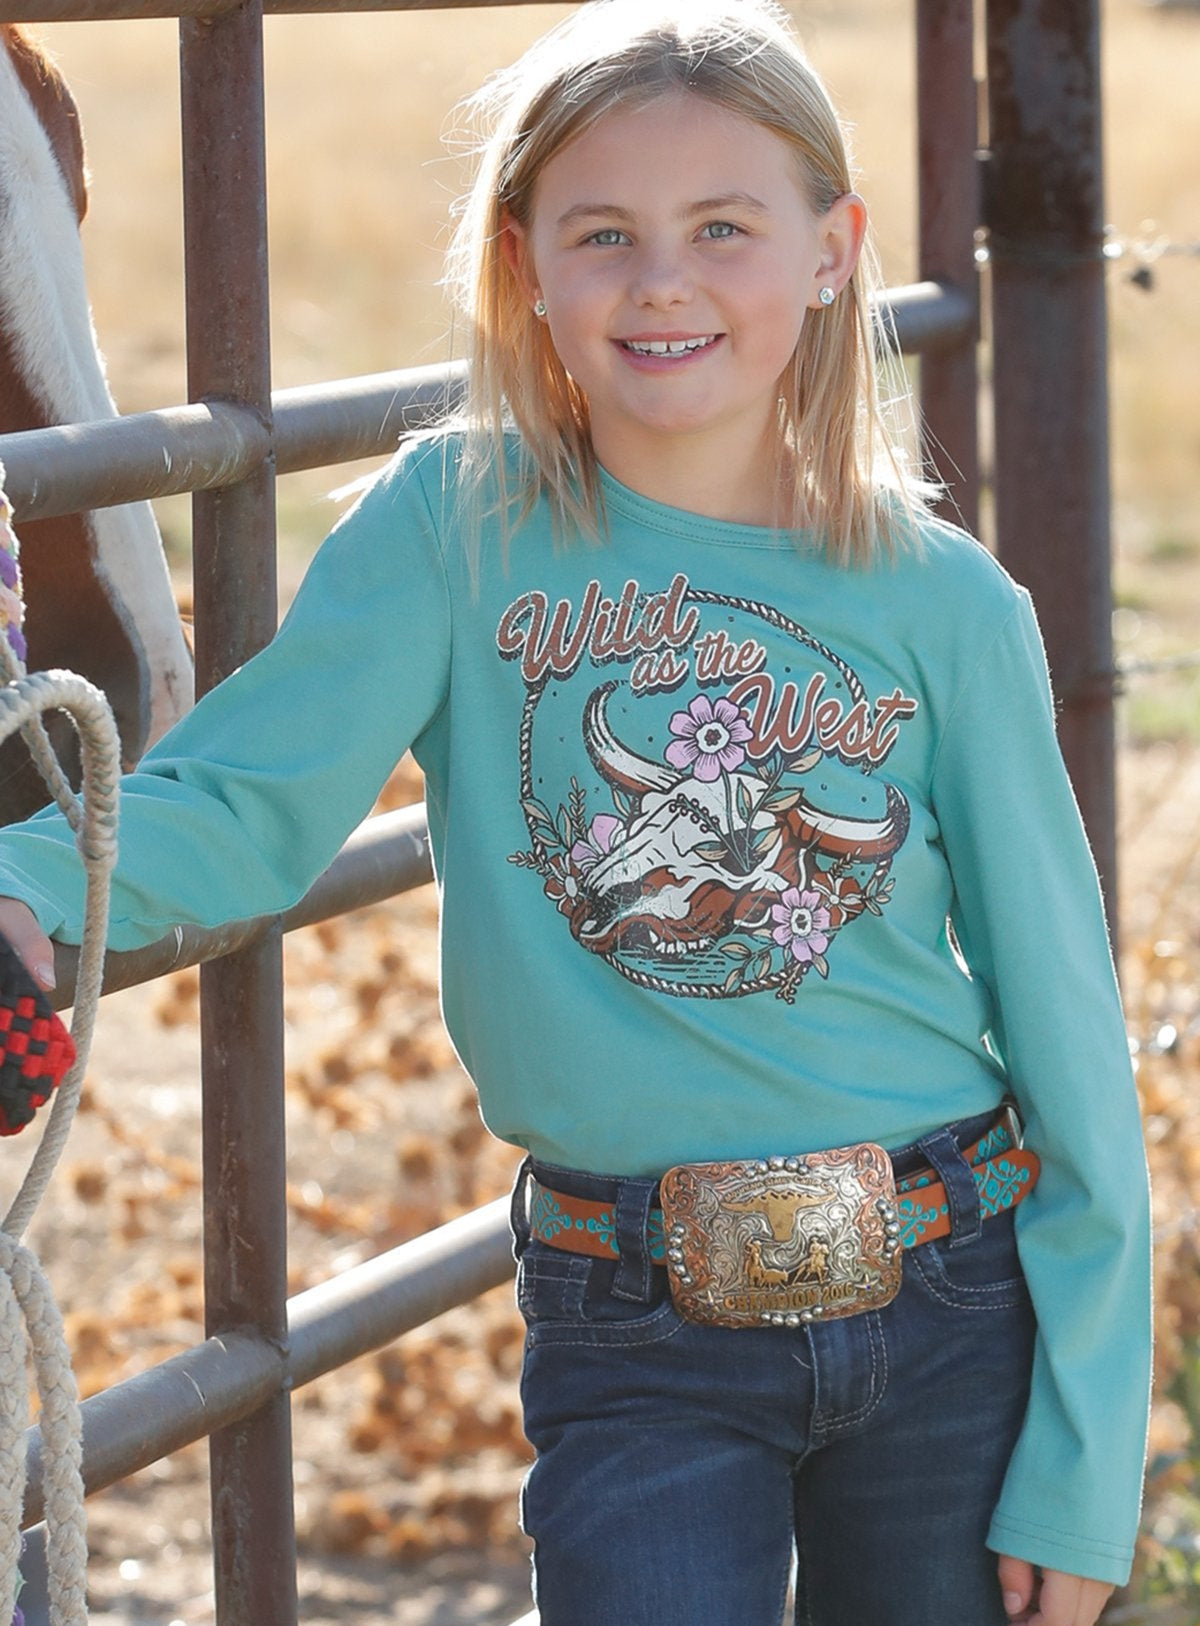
x: 962, y: 1194
x: 518, y: 1210
x: 633, y: 1278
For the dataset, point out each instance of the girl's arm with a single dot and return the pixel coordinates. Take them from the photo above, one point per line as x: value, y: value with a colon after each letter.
x: 1028, y: 914
x: 238, y: 809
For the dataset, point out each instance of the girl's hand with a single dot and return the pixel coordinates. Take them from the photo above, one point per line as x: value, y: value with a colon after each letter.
x: 1049, y: 1597
x: 19, y: 924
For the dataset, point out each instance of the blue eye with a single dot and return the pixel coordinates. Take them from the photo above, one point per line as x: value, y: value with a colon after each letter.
x: 608, y: 237
x: 720, y: 230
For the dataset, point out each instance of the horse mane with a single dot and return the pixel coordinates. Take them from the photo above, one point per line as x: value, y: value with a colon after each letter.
x: 54, y: 106
x: 97, y: 591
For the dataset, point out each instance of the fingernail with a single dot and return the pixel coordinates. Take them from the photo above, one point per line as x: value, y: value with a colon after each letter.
x: 45, y: 974
x: 1012, y: 1603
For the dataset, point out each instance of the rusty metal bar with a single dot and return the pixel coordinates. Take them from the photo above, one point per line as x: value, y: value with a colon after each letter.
x: 59, y: 11
x: 386, y: 855
x: 948, y: 213
x: 70, y: 467
x: 929, y: 317
x: 145, y: 1418
x: 316, y: 424
x: 372, y: 1303
x: 241, y: 995
x: 66, y: 11
x: 1043, y: 206
x: 215, y: 443
x: 226, y: 1378
x: 211, y: 444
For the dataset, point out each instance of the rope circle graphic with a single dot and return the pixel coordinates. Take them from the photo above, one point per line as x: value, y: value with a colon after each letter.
x: 783, y: 980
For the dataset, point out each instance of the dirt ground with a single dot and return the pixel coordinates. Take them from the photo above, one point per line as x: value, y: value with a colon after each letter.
x: 408, y: 1463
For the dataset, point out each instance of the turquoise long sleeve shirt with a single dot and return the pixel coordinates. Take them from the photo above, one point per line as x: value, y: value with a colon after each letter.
x: 739, y: 852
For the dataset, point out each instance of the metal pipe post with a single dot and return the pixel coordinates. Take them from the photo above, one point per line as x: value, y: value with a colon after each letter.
x: 948, y: 211
x: 1043, y: 202
x: 241, y: 1018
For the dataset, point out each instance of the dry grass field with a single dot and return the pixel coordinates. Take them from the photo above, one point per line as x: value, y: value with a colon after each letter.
x: 407, y: 1463
x: 363, y: 173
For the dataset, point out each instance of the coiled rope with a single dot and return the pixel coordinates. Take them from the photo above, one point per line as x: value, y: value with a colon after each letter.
x: 31, y: 1327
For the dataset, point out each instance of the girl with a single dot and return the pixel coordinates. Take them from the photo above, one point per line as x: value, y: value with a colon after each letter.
x: 757, y: 857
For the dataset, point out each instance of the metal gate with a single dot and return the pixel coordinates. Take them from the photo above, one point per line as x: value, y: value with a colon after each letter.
x: 1011, y: 236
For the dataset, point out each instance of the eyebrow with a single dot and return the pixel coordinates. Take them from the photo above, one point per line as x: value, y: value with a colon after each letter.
x: 704, y: 206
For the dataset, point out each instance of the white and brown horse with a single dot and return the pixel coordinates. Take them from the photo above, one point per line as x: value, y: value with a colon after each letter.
x: 98, y: 595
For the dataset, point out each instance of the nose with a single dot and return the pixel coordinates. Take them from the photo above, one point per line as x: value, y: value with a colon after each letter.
x: 661, y: 278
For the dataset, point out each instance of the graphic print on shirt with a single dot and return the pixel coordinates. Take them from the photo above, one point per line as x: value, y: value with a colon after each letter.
x: 698, y: 781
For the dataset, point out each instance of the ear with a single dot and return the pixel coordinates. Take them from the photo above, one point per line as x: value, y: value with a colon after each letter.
x: 840, y: 234
x: 514, y: 245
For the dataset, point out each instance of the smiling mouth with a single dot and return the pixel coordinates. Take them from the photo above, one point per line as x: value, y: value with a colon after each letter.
x: 669, y: 347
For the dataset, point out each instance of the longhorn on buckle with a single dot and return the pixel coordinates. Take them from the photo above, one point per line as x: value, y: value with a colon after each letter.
x: 782, y: 1241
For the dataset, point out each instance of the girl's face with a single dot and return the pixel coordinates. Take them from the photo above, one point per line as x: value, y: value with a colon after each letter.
x: 678, y: 259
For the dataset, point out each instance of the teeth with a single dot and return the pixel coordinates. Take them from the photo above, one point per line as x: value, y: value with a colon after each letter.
x: 678, y: 947
x: 668, y: 347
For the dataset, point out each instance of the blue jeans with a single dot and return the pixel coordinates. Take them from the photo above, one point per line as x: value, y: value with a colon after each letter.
x: 681, y: 1468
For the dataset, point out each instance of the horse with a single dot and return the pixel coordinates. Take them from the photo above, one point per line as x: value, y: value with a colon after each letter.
x: 97, y: 590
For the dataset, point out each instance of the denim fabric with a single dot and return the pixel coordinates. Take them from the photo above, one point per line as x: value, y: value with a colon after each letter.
x: 680, y: 1469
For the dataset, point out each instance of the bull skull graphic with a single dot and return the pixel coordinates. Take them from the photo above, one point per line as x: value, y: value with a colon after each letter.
x: 699, y: 860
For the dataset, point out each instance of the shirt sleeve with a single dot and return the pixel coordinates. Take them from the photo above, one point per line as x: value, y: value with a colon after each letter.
x: 1029, y: 918
x: 240, y: 807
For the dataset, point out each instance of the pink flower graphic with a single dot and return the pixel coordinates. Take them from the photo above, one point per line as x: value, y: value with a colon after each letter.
x: 586, y: 854
x: 801, y: 924
x: 708, y: 738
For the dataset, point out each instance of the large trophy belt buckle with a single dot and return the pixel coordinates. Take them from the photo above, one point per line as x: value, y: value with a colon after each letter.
x: 782, y: 1241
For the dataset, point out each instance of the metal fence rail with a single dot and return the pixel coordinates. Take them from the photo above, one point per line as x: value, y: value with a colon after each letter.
x: 386, y: 855
x: 211, y: 444
x: 204, y: 447
x: 227, y: 445
x: 227, y: 1377
x: 63, y: 11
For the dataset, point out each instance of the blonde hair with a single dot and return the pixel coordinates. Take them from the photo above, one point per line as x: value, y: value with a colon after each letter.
x: 836, y: 455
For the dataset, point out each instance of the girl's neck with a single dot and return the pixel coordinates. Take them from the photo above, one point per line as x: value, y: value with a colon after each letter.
x: 740, y: 485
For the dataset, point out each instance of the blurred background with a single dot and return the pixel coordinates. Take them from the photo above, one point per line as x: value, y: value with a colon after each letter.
x: 363, y: 172
x: 408, y: 1463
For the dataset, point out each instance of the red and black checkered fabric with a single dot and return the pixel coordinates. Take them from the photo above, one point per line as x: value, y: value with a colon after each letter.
x: 36, y: 1050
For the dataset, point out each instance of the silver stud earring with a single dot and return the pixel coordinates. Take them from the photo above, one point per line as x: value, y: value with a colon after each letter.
x: 539, y: 308
x: 826, y: 296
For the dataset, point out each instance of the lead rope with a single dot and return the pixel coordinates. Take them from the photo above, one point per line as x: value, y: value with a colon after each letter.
x: 31, y: 1326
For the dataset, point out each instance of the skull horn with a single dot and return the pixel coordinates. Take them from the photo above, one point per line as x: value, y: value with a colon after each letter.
x: 619, y: 765
x: 837, y: 837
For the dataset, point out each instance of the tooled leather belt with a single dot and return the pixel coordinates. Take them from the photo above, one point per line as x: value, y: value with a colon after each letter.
x: 1004, y: 1175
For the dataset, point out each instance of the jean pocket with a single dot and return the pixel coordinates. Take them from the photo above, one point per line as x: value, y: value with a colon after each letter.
x: 568, y: 1298
x: 981, y: 1275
